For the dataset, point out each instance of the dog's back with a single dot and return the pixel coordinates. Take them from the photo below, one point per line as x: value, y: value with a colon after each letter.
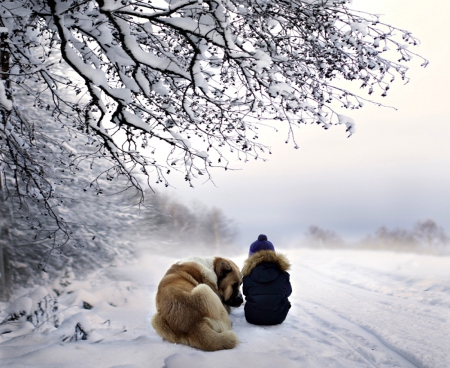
x: 190, y: 312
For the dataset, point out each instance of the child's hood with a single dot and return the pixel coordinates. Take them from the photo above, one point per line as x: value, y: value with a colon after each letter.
x: 278, y: 260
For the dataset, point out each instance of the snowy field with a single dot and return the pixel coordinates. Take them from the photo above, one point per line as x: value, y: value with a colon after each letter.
x: 350, y: 309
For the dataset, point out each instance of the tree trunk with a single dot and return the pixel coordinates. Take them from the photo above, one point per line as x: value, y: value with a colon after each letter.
x: 5, y: 243
x: 5, y: 214
x: 216, y: 229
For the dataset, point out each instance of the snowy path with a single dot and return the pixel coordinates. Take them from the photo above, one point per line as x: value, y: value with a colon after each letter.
x: 394, y: 310
x: 350, y: 309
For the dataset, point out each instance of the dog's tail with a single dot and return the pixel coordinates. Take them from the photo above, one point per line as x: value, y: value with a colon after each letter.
x: 211, y: 336
x: 207, y: 335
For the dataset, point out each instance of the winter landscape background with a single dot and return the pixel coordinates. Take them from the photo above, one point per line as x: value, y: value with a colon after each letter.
x: 392, y: 172
x: 353, y: 306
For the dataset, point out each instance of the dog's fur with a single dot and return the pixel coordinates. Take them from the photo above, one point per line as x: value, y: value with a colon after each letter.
x: 193, y: 301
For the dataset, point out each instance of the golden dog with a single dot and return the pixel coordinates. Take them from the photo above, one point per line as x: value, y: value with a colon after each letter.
x: 193, y: 301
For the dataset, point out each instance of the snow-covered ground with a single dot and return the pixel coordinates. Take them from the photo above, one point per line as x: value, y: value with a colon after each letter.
x: 350, y: 309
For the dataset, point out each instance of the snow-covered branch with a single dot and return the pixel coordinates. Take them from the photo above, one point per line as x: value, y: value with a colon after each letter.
x: 183, y: 85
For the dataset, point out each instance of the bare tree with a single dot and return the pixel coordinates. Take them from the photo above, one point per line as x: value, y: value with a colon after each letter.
x: 154, y: 87
x: 431, y: 236
x: 182, y: 225
x: 318, y: 238
x: 391, y: 239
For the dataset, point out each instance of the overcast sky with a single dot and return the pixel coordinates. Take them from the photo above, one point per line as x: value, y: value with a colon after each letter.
x: 394, y: 171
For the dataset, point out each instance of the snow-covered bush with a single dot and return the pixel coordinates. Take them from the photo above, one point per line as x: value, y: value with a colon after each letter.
x: 34, y: 310
x: 68, y: 309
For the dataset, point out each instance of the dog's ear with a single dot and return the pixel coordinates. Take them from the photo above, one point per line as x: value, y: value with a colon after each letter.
x: 222, y: 268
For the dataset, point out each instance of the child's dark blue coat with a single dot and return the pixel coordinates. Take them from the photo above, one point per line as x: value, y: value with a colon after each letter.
x: 266, y: 288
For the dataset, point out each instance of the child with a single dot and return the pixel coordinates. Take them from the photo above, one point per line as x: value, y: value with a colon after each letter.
x: 266, y: 284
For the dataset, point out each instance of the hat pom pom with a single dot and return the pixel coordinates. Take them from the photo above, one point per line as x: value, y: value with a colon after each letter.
x: 262, y: 237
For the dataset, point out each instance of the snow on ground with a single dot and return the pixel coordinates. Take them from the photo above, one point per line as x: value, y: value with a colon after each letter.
x: 350, y: 309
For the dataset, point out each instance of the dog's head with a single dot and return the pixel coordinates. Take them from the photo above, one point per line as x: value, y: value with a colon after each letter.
x: 229, y: 280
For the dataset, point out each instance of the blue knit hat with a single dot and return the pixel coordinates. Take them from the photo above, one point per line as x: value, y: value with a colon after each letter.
x: 261, y: 244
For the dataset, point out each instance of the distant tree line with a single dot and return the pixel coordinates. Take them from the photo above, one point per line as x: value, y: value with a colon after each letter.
x: 425, y: 236
x: 175, y: 224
